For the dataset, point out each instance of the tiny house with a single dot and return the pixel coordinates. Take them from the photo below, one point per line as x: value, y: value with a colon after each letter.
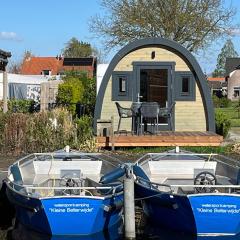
x: 162, y: 71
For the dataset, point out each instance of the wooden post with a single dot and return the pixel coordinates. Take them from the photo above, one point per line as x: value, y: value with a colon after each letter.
x: 112, y: 133
x: 129, y: 208
x: 5, y: 91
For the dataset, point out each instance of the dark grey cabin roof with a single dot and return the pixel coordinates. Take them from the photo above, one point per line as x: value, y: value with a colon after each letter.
x: 231, y: 65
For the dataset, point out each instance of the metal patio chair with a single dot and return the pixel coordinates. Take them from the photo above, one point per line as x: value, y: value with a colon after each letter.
x: 123, y: 113
x: 167, y: 113
x: 149, y: 112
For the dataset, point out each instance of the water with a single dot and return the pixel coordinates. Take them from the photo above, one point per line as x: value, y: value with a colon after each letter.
x: 148, y: 232
x: 145, y: 230
x: 10, y: 229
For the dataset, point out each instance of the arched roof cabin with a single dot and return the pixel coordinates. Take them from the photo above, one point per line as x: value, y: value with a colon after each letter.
x: 156, y: 70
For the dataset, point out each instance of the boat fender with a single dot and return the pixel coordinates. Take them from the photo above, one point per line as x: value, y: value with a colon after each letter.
x: 113, y: 175
x: 138, y: 171
x: 117, y: 205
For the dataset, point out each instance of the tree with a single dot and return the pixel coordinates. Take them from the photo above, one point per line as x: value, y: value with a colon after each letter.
x: 15, y: 66
x: 226, y: 51
x: 192, y: 23
x: 75, y: 48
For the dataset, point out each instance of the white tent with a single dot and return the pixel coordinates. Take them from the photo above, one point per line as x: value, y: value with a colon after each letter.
x: 101, y: 69
x: 29, y: 80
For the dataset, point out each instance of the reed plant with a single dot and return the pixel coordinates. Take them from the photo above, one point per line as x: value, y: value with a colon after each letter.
x: 44, y: 131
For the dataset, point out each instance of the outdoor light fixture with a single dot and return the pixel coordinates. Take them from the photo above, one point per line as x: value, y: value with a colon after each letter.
x: 153, y: 54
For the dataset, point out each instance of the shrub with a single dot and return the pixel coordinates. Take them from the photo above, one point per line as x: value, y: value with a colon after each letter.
x: 223, y: 102
x: 44, y: 131
x: 70, y: 92
x: 85, y: 133
x: 21, y: 105
x: 15, y: 132
x: 89, y: 96
x: 223, y: 124
x: 77, y: 88
x: 216, y: 101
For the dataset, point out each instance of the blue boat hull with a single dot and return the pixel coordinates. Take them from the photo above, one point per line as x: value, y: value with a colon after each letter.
x: 216, y: 214
x: 66, y: 215
x: 196, y: 214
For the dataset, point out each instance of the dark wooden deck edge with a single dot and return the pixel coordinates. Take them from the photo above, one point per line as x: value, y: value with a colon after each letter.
x: 163, y: 139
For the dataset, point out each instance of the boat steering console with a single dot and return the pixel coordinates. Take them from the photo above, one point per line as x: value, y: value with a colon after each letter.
x: 205, y: 178
x: 71, y: 181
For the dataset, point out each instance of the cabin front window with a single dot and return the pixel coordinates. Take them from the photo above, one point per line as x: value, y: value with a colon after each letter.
x: 122, y: 84
x: 185, y: 86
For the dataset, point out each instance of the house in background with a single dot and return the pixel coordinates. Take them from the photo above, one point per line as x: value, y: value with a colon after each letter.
x: 218, y: 86
x: 232, y: 68
x: 52, y: 66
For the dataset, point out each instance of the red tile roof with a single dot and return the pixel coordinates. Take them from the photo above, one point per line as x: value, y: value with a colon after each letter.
x: 35, y: 65
x: 221, y: 79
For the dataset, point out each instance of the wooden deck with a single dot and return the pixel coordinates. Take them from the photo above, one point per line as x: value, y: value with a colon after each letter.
x: 162, y: 139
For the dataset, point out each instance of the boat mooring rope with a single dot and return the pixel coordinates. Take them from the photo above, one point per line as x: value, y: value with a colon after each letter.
x: 151, y: 196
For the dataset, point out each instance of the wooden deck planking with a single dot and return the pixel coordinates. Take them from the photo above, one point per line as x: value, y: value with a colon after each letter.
x: 162, y: 139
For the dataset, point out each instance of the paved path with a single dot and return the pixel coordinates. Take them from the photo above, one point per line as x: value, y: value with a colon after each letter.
x: 232, y: 137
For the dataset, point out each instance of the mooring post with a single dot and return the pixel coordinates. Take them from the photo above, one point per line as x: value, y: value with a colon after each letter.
x: 129, y: 207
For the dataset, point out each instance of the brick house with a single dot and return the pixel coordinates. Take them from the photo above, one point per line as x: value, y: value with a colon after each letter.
x: 57, y: 65
x: 232, y: 68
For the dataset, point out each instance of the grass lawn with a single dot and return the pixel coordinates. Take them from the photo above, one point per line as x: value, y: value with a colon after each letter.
x: 144, y: 150
x: 232, y: 114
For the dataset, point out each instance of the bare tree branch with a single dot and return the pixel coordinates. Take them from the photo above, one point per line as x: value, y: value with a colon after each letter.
x: 192, y: 23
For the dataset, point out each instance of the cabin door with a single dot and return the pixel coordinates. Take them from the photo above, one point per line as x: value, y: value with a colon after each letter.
x: 154, y: 84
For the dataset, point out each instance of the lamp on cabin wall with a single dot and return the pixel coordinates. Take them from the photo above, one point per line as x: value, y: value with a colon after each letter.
x: 153, y: 55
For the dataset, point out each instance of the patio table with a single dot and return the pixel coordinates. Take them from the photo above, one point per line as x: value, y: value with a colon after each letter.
x: 136, y: 116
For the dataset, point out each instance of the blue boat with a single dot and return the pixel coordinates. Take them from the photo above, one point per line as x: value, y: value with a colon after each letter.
x: 60, y: 193
x: 188, y: 192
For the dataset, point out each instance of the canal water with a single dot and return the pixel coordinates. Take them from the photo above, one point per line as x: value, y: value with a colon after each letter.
x: 10, y: 229
x: 148, y: 231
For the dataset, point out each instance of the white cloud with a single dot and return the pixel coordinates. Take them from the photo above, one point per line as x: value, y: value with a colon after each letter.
x: 9, y: 36
x: 234, y: 31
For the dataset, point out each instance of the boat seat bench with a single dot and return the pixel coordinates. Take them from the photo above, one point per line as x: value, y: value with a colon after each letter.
x: 160, y: 170
x: 37, y: 172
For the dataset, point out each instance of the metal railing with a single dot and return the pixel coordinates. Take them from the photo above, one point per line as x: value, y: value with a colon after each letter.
x: 156, y: 186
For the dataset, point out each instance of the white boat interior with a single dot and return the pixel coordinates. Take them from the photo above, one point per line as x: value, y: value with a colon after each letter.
x: 183, y: 171
x: 61, y: 173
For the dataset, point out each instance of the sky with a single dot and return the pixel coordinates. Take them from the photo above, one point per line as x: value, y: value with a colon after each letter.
x: 45, y: 26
